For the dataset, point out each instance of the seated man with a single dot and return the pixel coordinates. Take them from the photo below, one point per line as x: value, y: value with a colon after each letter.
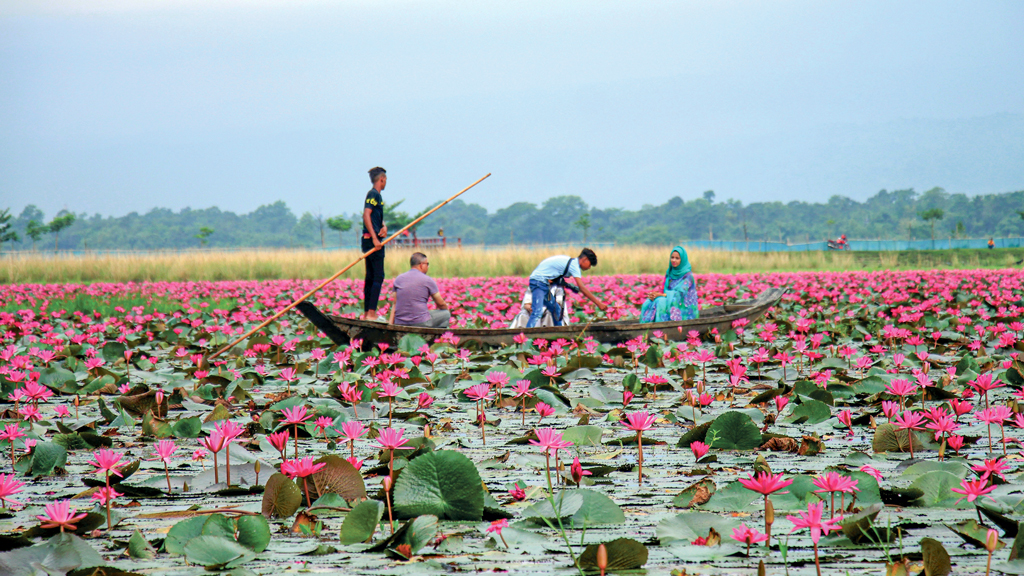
x: 555, y: 270
x: 412, y: 291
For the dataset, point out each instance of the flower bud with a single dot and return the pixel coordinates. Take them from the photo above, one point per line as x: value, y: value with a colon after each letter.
x: 602, y: 558
x: 991, y: 540
x: 769, y: 512
x: 387, y: 483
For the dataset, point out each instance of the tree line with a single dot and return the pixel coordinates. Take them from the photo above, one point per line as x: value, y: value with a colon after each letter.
x: 900, y: 214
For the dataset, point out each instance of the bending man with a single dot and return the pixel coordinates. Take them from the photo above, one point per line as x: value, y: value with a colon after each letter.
x: 413, y: 290
x: 555, y: 270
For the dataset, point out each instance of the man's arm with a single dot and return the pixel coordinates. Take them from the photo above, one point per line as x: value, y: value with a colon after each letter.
x: 583, y: 290
x: 391, y: 314
x: 441, y: 304
x: 369, y: 226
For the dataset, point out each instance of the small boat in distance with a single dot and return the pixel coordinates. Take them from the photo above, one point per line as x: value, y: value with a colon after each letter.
x: 344, y: 330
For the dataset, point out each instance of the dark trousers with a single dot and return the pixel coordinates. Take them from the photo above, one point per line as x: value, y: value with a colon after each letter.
x: 374, y: 279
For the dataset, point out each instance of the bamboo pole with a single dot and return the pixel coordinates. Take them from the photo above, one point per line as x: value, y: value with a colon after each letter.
x: 342, y: 271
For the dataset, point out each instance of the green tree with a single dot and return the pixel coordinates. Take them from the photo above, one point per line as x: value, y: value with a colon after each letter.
x: 6, y: 234
x: 342, y: 225
x: 204, y: 234
x: 34, y: 230
x: 960, y: 231
x: 583, y: 222
x: 930, y: 216
x: 396, y: 219
x: 59, y: 222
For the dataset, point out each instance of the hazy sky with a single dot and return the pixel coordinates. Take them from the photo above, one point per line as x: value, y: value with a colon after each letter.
x: 125, y: 105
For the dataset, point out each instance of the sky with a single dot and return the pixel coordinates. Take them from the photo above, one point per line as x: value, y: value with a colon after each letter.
x: 117, y: 106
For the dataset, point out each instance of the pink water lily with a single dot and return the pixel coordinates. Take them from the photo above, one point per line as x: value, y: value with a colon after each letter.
x: 391, y: 440
x: 60, y: 514
x: 639, y: 422
x: 812, y: 520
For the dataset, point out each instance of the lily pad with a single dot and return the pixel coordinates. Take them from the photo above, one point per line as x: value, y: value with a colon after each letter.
x: 443, y: 483
x: 361, y: 522
x: 623, y: 554
x: 734, y: 431
x: 596, y: 509
x: 217, y: 552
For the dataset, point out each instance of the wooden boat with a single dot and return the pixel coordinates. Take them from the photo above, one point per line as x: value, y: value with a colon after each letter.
x: 343, y: 330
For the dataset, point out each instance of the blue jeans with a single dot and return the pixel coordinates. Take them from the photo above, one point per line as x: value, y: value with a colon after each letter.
x: 539, y: 295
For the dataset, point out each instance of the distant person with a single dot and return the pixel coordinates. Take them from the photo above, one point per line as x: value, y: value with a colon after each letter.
x: 678, y: 299
x: 374, y: 230
x: 991, y: 243
x: 413, y: 290
x: 554, y: 271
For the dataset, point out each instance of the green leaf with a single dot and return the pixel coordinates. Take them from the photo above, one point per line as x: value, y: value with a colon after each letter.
x: 921, y: 468
x: 856, y: 526
x: 361, y: 522
x: 153, y: 426
x: 565, y: 504
x: 416, y: 533
x: 688, y: 526
x: 411, y: 344
x: 935, y: 558
x: 46, y: 456
x: 734, y: 497
x: 1018, y: 543
x: 698, y: 433
x: 281, y: 497
x: 693, y: 495
x: 623, y: 554
x: 187, y: 428
x: 937, y: 486
x: 443, y: 483
x: 973, y: 533
x: 889, y: 438
x: 596, y: 509
x: 217, y: 552
x: 797, y: 495
x: 734, y: 431
x: 338, y: 476
x: 808, y: 389
x: 59, y: 379
x: 113, y: 351
x: 810, y: 412
x: 583, y: 435
x: 139, y: 547
x: 58, y: 555
x: 181, y: 533
x: 253, y: 532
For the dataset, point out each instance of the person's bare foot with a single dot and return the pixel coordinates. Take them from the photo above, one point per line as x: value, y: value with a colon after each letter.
x: 370, y: 316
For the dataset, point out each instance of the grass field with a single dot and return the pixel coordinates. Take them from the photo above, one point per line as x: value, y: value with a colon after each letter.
x: 269, y: 264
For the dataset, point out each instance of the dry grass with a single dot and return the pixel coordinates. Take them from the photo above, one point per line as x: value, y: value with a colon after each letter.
x: 466, y: 262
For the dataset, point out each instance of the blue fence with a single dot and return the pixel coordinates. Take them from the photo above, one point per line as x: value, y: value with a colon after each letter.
x: 877, y: 245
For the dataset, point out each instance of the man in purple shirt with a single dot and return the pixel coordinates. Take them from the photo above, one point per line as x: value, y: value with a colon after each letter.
x: 413, y: 290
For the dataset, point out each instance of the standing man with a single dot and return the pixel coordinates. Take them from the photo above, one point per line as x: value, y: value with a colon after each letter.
x: 413, y: 290
x: 374, y: 230
x: 555, y: 270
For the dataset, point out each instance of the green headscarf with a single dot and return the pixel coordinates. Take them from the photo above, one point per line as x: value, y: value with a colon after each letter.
x: 677, y: 272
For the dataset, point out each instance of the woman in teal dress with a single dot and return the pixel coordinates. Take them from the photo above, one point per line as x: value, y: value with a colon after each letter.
x: 679, y: 300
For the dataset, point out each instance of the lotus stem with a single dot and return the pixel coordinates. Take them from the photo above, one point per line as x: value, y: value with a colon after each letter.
x: 640, y: 444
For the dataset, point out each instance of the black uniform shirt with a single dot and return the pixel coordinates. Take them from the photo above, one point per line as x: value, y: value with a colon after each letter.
x: 376, y: 205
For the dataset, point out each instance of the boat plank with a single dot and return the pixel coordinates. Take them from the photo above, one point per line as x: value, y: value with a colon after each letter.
x: 344, y: 330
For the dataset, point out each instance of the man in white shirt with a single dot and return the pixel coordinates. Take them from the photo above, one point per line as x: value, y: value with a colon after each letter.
x: 555, y: 270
